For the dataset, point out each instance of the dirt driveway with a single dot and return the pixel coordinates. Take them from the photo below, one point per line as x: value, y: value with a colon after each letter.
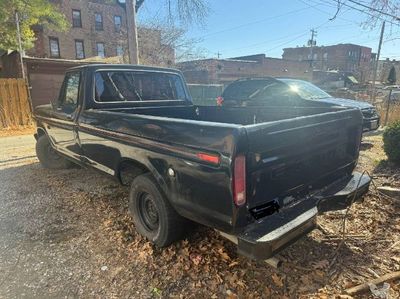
x: 68, y: 234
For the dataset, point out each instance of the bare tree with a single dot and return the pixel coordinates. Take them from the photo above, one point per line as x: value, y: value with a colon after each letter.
x: 184, y: 11
x: 163, y: 43
x: 382, y: 9
x: 375, y: 11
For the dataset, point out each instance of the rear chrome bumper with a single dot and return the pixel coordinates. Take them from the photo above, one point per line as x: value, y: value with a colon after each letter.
x: 266, y: 237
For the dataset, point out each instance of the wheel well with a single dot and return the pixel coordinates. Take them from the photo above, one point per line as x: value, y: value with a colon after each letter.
x: 129, y: 169
x: 40, y: 132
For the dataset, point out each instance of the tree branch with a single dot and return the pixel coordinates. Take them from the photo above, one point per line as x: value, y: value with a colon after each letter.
x: 138, y: 4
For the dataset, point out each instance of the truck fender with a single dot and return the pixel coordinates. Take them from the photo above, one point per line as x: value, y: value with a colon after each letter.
x: 39, y: 132
x: 128, y: 169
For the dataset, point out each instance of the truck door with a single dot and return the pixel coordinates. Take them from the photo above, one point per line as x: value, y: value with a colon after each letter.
x: 62, y: 130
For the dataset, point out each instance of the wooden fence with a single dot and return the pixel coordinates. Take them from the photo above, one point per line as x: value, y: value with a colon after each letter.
x: 15, y: 109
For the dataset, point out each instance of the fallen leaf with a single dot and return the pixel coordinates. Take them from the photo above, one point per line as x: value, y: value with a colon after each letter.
x: 321, y: 264
x: 196, y: 259
x: 223, y: 254
x: 231, y: 295
x: 267, y: 292
x: 277, y: 280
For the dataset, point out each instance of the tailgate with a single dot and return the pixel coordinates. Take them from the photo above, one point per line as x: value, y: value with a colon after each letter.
x: 288, y: 159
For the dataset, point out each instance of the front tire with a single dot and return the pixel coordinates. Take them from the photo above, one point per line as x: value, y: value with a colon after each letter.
x: 48, y: 157
x: 153, y: 215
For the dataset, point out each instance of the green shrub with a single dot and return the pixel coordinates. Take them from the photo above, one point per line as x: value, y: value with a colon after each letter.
x: 391, y: 142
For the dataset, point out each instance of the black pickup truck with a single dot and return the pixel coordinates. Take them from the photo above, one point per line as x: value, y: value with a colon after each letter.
x: 258, y: 175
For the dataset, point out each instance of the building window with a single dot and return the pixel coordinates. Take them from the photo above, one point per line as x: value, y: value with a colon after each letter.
x: 76, y: 18
x: 79, y: 49
x: 120, y: 51
x: 54, y: 47
x: 117, y: 23
x: 100, y: 50
x: 98, y: 21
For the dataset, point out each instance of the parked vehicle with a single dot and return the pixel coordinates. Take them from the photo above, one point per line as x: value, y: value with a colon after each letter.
x: 394, y: 97
x: 258, y: 175
x: 286, y: 92
x: 394, y: 87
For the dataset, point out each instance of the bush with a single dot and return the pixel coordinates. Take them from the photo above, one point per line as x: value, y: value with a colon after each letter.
x: 391, y: 142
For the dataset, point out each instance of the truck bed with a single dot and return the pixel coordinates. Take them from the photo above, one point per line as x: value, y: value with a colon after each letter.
x: 289, y: 153
x: 229, y: 115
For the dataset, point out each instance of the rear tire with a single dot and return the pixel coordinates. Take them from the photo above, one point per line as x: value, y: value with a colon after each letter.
x: 48, y: 157
x: 152, y: 213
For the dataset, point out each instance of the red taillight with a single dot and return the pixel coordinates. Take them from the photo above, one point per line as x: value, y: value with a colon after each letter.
x: 239, y: 181
x: 220, y: 100
x: 209, y: 158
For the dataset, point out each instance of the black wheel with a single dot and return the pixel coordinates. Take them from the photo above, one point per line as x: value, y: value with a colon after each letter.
x: 152, y: 213
x: 48, y: 157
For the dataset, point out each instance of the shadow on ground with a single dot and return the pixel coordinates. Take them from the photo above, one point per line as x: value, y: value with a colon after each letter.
x: 69, y: 233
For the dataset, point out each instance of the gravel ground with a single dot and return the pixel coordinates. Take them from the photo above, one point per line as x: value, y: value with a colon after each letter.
x: 49, y: 245
x: 67, y: 234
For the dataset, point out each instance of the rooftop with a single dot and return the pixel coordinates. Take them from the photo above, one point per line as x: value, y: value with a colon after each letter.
x: 322, y: 46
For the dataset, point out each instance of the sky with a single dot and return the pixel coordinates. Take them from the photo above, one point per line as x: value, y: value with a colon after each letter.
x: 236, y: 28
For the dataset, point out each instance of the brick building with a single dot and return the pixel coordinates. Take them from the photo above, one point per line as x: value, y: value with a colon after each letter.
x: 222, y: 71
x: 341, y: 57
x: 98, y: 28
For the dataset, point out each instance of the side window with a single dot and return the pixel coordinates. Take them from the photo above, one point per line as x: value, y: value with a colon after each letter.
x: 274, y: 94
x: 69, y: 98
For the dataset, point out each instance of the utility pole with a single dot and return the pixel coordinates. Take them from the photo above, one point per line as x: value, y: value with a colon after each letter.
x: 21, y: 59
x: 20, y: 45
x: 133, y: 47
x: 218, y: 54
x: 312, y: 43
x: 373, y: 94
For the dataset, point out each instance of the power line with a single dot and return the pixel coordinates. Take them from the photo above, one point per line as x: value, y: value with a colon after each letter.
x: 288, y: 42
x: 323, y: 11
x: 255, y: 22
x: 296, y: 38
x: 376, y: 10
x: 269, y: 41
x: 295, y: 35
x: 370, y: 14
x: 348, y: 6
x: 319, y: 26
